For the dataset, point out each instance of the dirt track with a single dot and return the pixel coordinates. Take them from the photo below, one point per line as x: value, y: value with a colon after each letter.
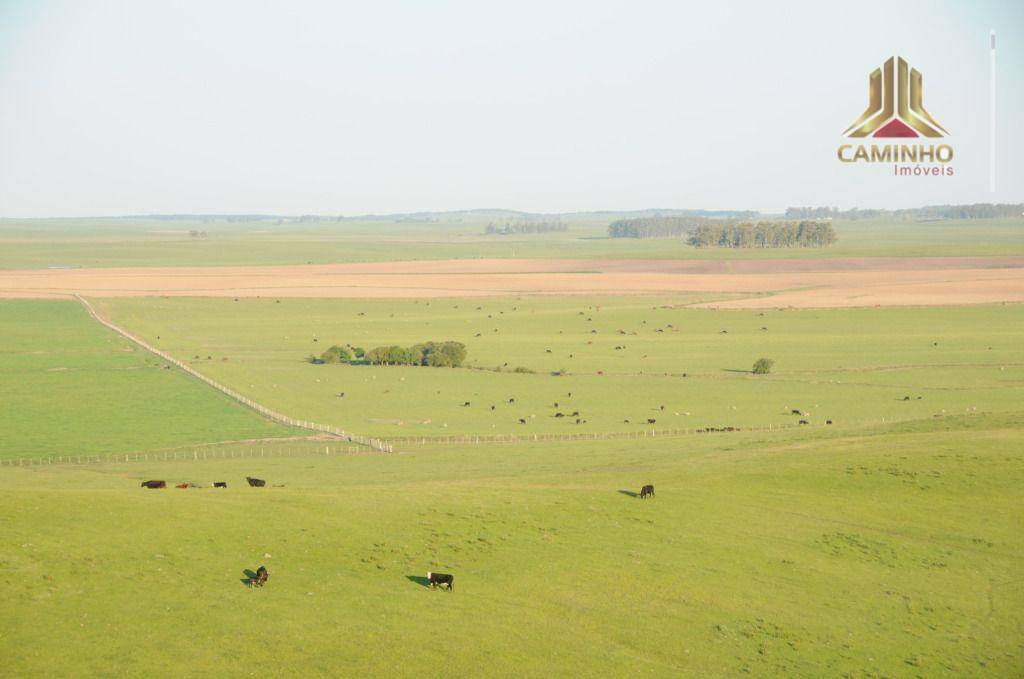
x: 799, y: 283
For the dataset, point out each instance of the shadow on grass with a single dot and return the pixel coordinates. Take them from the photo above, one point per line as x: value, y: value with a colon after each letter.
x: 629, y: 493
x: 420, y: 580
x: 734, y: 370
x: 249, y: 577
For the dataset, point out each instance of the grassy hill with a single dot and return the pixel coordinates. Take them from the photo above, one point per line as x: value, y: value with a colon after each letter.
x: 853, y: 366
x: 891, y: 552
x: 69, y: 386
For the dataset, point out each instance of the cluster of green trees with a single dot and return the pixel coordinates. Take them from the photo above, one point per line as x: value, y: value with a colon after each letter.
x: 435, y: 354
x: 776, y: 234
x: 524, y: 227
x: 656, y: 227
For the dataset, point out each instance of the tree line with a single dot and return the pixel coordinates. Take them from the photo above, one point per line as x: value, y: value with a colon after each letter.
x: 973, y: 211
x: 448, y: 354
x: 656, y: 227
x: 774, y: 234
x: 524, y: 227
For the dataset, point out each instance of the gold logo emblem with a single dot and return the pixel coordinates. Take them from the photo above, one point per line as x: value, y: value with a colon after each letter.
x: 894, y: 105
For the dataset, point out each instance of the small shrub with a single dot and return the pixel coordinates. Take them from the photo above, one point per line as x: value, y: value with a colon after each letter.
x: 762, y: 366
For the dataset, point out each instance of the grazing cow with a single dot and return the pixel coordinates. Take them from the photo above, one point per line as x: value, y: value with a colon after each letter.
x: 559, y: 415
x: 828, y: 421
x: 522, y: 421
x: 511, y: 400
x: 796, y: 412
x: 575, y: 413
x: 804, y: 422
x: 492, y: 407
x: 662, y: 407
x: 220, y: 484
x: 466, y: 404
x: 255, y: 483
x: 651, y: 420
x: 646, y: 491
x: 182, y: 485
x: 260, y: 578
x: 435, y: 579
x: 154, y: 484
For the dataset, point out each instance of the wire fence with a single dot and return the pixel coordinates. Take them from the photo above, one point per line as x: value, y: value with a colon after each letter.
x: 244, y: 452
x: 587, y: 436
x: 376, y: 444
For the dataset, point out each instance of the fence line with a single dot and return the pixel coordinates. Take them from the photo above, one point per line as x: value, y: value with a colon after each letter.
x: 374, y: 443
x: 595, y: 436
x: 194, y: 454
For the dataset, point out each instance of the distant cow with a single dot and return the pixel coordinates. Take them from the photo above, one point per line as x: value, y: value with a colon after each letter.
x: 255, y: 483
x: 260, y: 578
x: 522, y: 421
x: 182, y: 485
x: 804, y: 422
x: 796, y: 412
x: 828, y: 421
x: 220, y: 484
x: 435, y: 579
x: 154, y: 484
x: 466, y: 404
x: 559, y: 415
x: 646, y: 491
x: 651, y: 420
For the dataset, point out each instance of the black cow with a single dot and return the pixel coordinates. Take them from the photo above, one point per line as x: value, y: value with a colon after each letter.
x: 646, y: 490
x: 828, y: 421
x: 255, y: 483
x: 260, y: 578
x: 796, y: 412
x: 804, y: 422
x: 651, y: 420
x: 435, y: 579
x: 154, y: 484
x: 220, y: 484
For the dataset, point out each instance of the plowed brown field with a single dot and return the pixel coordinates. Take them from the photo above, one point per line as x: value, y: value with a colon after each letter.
x: 759, y: 283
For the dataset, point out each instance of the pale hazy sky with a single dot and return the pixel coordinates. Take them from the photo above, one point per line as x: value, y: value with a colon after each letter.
x: 344, y: 107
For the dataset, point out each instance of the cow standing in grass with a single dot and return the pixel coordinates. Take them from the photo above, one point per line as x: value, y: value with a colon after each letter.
x: 154, y: 484
x: 260, y: 578
x: 442, y: 579
x: 255, y: 483
x: 646, y: 491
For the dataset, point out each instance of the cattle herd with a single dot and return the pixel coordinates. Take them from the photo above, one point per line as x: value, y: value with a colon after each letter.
x: 434, y: 580
x: 156, y: 483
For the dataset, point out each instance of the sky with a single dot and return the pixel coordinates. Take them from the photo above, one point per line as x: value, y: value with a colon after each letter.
x: 304, y: 107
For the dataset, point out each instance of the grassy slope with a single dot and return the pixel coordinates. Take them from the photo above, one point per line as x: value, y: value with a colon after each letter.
x: 852, y: 365
x: 886, y: 554
x: 31, y: 244
x: 69, y: 386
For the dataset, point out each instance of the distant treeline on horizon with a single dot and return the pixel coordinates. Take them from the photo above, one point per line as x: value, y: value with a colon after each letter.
x: 514, y: 218
x: 974, y: 211
x: 523, y: 226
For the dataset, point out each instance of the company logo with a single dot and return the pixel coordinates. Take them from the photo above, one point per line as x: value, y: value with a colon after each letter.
x: 895, y: 110
x: 894, y: 105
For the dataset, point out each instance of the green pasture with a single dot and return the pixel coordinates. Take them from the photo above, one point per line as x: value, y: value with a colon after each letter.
x: 891, y: 552
x: 148, y: 242
x: 69, y: 386
x: 853, y: 366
